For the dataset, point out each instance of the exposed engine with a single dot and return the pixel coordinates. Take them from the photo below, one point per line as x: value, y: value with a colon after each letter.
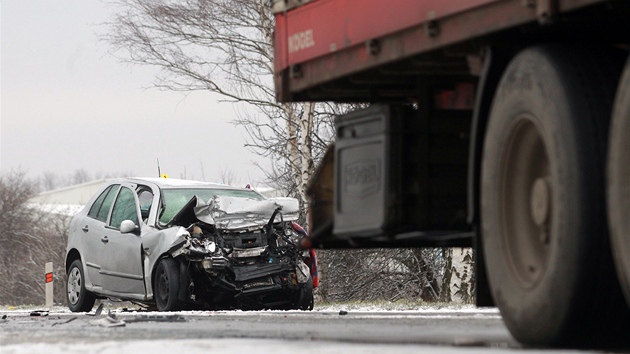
x: 248, y: 269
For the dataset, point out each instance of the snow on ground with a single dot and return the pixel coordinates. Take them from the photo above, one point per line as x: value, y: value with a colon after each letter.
x: 350, y: 307
x: 357, y: 310
x: 275, y: 346
x: 242, y: 345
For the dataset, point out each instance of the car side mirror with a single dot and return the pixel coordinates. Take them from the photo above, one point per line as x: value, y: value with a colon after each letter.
x: 129, y: 227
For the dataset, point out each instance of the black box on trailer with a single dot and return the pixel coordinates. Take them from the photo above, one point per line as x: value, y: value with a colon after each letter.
x: 369, y: 170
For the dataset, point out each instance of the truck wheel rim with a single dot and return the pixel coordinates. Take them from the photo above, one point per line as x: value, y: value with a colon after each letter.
x: 526, y: 202
x: 74, y: 285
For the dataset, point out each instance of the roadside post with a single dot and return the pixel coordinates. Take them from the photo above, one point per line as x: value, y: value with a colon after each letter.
x: 49, y: 284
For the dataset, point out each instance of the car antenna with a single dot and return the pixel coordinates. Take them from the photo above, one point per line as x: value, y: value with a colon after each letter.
x: 158, y: 165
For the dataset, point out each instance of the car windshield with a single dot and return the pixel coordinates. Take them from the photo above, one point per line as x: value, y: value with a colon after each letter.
x: 175, y: 199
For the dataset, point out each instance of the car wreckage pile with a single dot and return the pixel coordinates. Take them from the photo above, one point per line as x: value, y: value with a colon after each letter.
x: 238, y: 262
x: 176, y: 244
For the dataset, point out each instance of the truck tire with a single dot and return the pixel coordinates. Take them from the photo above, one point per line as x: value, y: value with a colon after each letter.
x: 543, y: 217
x: 619, y: 182
x: 166, y: 288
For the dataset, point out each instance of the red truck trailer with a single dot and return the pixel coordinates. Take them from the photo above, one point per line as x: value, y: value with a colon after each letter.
x: 501, y: 124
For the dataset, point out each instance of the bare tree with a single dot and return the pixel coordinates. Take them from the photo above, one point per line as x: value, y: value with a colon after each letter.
x: 15, y: 220
x: 80, y: 176
x: 29, y: 237
x: 383, y: 274
x: 227, y: 176
x: 225, y: 47
x: 49, y: 181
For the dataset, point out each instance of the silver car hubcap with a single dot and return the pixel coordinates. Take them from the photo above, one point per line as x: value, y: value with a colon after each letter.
x: 74, y: 285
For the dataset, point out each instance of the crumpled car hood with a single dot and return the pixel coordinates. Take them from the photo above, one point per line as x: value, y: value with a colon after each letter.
x: 234, y: 213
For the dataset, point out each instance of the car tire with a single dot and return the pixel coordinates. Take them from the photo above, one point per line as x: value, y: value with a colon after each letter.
x: 619, y: 182
x: 543, y: 215
x: 306, y: 299
x: 79, y: 299
x: 166, y: 286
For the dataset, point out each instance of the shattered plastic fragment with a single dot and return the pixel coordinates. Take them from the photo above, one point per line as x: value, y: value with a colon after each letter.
x: 97, y: 312
x: 64, y: 322
x: 157, y: 318
x: 109, y: 321
x: 39, y: 313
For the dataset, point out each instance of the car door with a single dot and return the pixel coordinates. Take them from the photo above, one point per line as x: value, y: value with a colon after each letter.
x: 93, y: 228
x: 121, y: 262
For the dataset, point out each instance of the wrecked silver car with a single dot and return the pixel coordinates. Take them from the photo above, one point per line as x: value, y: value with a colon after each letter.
x: 174, y: 244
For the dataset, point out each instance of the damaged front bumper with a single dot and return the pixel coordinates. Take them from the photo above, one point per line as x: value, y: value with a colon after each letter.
x: 250, y: 269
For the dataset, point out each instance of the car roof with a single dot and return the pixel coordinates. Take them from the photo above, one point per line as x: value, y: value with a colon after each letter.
x: 166, y: 183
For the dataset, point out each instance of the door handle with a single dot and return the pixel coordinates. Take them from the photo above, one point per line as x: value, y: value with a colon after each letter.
x: 104, y: 239
x: 85, y: 228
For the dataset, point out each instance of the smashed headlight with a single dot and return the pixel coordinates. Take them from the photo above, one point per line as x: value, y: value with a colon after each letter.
x: 302, y: 272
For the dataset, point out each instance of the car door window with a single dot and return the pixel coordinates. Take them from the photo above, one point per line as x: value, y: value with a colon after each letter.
x: 100, y: 208
x: 146, y: 199
x: 124, y: 209
x: 107, y: 203
x: 98, y: 202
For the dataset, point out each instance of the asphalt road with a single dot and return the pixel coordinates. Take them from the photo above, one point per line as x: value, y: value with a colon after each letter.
x: 440, y: 330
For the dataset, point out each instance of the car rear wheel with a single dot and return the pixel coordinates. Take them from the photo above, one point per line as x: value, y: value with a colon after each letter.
x: 166, y: 287
x: 79, y: 299
x: 619, y: 182
x: 543, y: 206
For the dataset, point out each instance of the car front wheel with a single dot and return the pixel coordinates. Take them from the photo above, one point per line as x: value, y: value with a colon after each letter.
x: 166, y: 288
x: 306, y: 299
x: 79, y: 299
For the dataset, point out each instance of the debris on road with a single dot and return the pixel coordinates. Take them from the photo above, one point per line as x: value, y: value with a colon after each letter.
x: 64, y: 322
x: 109, y: 321
x: 157, y: 318
x: 98, y: 311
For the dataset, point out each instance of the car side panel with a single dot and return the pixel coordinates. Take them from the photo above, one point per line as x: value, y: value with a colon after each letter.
x: 121, y: 259
x: 91, y: 231
x: 122, y: 264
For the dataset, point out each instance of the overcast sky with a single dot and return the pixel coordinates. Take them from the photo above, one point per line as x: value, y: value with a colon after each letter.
x: 67, y: 104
